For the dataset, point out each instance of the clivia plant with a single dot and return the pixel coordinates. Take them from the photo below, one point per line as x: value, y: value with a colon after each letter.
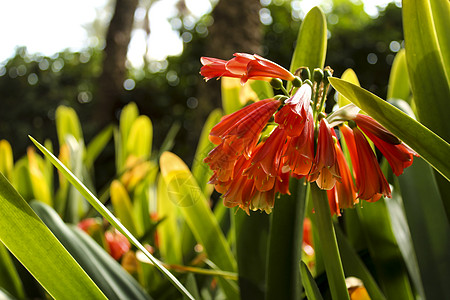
x: 349, y: 204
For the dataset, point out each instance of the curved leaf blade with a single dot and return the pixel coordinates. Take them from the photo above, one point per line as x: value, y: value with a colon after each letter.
x: 426, y: 143
x: 39, y: 251
x: 184, y: 191
x: 311, y: 47
x: 109, y: 216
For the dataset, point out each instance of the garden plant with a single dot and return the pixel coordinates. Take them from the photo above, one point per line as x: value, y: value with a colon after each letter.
x: 282, y: 201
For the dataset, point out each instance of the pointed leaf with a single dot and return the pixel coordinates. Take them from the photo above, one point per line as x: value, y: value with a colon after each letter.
x: 110, y: 277
x: 429, y: 226
x: 399, y: 86
x: 427, y: 69
x: 311, y: 289
x: 109, y: 216
x: 350, y: 76
x: 285, y: 244
x: 168, y: 231
x: 140, y: 138
x: 200, y: 170
x: 184, y: 191
x: 67, y: 123
x: 123, y: 207
x: 425, y: 142
x: 311, y: 47
x: 6, y: 159
x: 27, y: 237
x: 97, y: 145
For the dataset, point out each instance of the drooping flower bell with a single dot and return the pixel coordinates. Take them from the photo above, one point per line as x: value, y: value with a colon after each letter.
x: 325, y: 171
x: 370, y: 181
x: 397, y: 153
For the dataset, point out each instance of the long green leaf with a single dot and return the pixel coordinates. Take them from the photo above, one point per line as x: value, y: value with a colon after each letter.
x: 430, y: 146
x: 200, y: 170
x: 123, y: 207
x: 110, y: 277
x: 251, y: 264
x: 97, y: 145
x: 399, y: 86
x: 109, y: 216
x: 311, y: 289
x: 169, y: 231
x: 67, y: 123
x: 285, y: 244
x: 402, y: 234
x: 384, y: 250
x: 27, y: 237
x: 184, y: 191
x: 427, y: 43
x: 426, y: 67
x: 311, y: 47
x: 353, y: 266
x: 331, y: 256
x: 9, y: 277
x: 429, y: 226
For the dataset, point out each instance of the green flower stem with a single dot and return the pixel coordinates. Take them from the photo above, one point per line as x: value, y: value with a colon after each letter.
x: 331, y: 257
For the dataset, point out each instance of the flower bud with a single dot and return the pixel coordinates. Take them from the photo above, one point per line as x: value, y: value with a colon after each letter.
x: 297, y: 82
x: 317, y: 75
x: 305, y: 74
x: 276, y: 83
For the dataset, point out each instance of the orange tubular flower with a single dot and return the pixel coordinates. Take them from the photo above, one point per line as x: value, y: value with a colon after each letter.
x: 399, y: 155
x: 242, y: 191
x: 345, y: 189
x: 300, y: 150
x: 266, y: 162
x: 325, y: 171
x: 370, y: 181
x: 237, y: 134
x: 244, y: 66
x: 294, y: 114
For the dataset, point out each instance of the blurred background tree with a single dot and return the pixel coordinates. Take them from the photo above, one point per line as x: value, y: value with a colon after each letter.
x: 171, y: 91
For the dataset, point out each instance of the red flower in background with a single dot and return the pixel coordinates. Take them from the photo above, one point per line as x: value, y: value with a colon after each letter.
x: 118, y: 244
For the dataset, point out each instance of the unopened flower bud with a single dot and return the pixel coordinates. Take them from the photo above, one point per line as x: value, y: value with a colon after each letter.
x: 276, y: 83
x: 297, y: 82
x: 305, y: 74
x: 317, y: 75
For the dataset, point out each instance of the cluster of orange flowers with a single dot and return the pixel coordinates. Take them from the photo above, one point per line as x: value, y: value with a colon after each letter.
x: 251, y: 168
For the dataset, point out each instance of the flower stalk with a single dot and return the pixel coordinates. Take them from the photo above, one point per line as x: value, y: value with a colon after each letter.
x: 327, y: 236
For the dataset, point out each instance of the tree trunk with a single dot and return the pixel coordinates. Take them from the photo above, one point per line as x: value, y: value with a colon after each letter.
x: 110, y: 85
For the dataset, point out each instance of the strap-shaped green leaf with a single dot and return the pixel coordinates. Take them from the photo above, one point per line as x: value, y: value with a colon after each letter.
x: 27, y: 237
x: 311, y: 289
x: 430, y: 146
x: 311, y: 47
x: 399, y: 86
x: 285, y: 243
x: 109, y: 216
x: 427, y: 69
x: 184, y: 192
